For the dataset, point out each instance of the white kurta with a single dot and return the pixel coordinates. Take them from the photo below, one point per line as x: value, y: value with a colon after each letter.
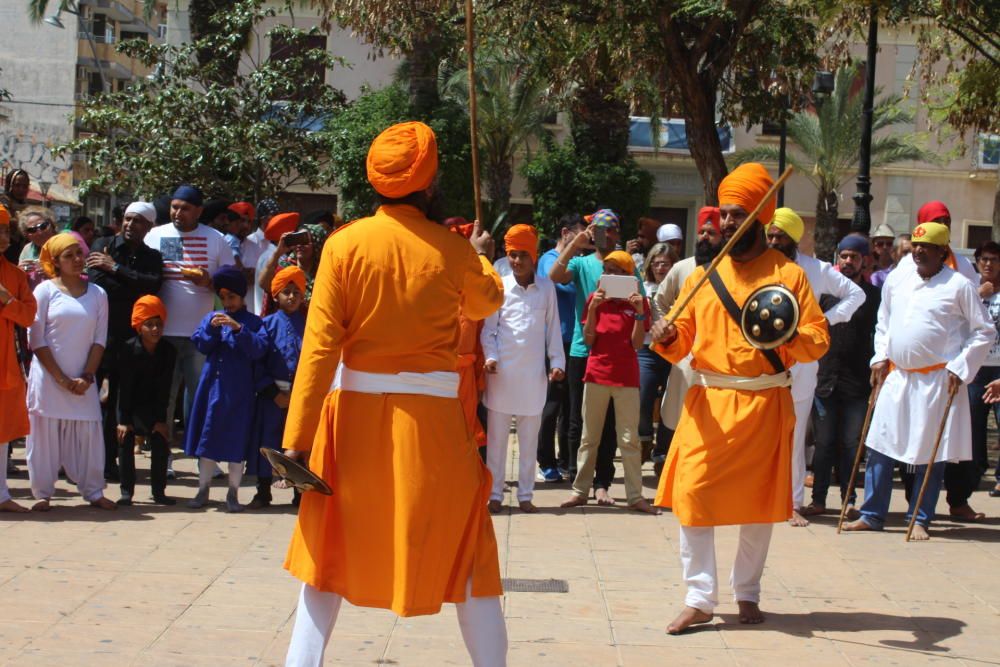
x: 962, y: 265
x: 518, y: 337
x: 681, y: 374
x: 923, y: 323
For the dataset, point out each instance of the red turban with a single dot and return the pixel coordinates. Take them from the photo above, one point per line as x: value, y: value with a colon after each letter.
x: 522, y: 237
x: 289, y: 274
x: 146, y: 308
x: 460, y: 226
x: 403, y: 160
x: 745, y: 187
x: 280, y: 224
x: 932, y: 211
x: 710, y: 214
x: 243, y: 208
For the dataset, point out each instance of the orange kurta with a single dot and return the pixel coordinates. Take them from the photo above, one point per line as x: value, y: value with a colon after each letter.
x: 20, y: 311
x: 730, y: 458
x: 407, y: 524
x: 472, y: 376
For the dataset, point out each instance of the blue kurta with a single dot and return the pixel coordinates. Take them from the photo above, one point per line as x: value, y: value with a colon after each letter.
x: 284, y: 338
x: 222, y: 414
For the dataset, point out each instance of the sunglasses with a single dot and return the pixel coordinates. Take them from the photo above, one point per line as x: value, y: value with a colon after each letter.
x: 41, y: 226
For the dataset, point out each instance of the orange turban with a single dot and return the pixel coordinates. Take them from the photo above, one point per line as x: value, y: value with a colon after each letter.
x: 243, y: 208
x: 745, y: 187
x: 622, y: 260
x: 522, y: 237
x: 289, y: 274
x: 55, y: 246
x: 4, y: 216
x: 403, y: 160
x: 146, y: 308
x: 280, y: 224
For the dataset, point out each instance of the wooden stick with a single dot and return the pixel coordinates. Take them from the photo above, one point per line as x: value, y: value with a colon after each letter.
x: 470, y: 39
x: 857, y: 456
x: 930, y: 466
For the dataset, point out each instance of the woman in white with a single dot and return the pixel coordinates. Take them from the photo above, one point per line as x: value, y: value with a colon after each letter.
x: 68, y: 338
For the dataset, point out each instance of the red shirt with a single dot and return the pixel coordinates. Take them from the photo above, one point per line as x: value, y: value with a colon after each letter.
x: 613, y: 361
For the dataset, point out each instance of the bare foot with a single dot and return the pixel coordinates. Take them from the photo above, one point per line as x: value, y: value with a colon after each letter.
x: 919, y: 534
x: 41, y: 506
x: 603, y: 497
x: 495, y: 506
x: 104, y: 504
x: 527, y: 507
x: 11, y: 506
x: 642, y: 505
x: 575, y: 500
x: 857, y: 526
x: 812, y: 510
x: 689, y: 616
x: 797, y: 520
x: 750, y: 613
x: 966, y: 513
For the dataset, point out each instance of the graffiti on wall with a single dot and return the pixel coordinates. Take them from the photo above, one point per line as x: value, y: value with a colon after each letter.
x: 32, y: 149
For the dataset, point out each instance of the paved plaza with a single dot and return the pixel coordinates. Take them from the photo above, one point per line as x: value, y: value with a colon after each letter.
x: 148, y: 585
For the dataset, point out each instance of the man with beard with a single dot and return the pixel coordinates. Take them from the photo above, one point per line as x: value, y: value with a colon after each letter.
x: 784, y: 234
x: 706, y: 248
x: 730, y: 459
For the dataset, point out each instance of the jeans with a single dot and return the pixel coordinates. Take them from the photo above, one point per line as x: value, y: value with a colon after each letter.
x: 838, y: 424
x: 878, y: 490
x: 962, y: 478
x: 555, y: 421
x: 653, y: 373
x: 576, y: 368
x: 110, y: 419
x: 158, y: 451
x: 186, y: 370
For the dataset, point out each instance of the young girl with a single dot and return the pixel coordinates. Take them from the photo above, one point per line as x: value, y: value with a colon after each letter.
x: 614, y: 329
x: 222, y: 414
x: 654, y: 370
x: 273, y: 375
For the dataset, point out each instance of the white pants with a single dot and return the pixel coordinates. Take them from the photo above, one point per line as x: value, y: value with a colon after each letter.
x: 802, y: 410
x: 76, y: 446
x: 497, y: 436
x: 698, y: 562
x: 480, y: 619
x: 4, y: 491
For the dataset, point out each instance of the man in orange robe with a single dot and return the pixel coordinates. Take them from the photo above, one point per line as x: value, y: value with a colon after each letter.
x: 17, y: 307
x: 375, y: 405
x: 730, y: 458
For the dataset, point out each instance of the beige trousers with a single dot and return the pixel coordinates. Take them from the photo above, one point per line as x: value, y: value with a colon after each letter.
x: 595, y: 406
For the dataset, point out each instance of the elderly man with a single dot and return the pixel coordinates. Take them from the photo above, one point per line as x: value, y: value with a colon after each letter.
x: 126, y: 268
x: 932, y: 336
x: 936, y: 211
x: 407, y: 527
x: 784, y: 235
x: 730, y: 459
x: 882, y: 242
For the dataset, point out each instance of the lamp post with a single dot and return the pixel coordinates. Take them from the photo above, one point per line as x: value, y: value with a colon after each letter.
x: 822, y: 86
x: 862, y: 221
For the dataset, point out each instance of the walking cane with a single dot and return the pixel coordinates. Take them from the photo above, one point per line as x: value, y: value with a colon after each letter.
x: 473, y: 120
x: 930, y: 465
x: 857, y: 456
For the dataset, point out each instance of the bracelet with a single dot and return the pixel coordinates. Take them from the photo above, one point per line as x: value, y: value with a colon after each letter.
x: 89, y: 377
x: 640, y: 318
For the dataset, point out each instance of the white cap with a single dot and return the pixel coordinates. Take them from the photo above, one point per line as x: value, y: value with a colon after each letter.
x: 143, y: 208
x: 669, y: 232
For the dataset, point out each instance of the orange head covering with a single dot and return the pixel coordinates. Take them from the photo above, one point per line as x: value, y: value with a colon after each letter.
x: 55, y: 246
x: 289, y: 274
x: 403, y: 160
x: 460, y: 226
x: 146, y: 308
x: 522, y: 237
x: 745, y: 186
x: 243, y: 208
x: 279, y: 224
x: 4, y: 216
x: 622, y: 260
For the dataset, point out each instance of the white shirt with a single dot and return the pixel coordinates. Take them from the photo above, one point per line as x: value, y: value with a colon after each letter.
x: 992, y: 306
x: 824, y: 280
x: 519, y: 336
x: 251, y: 248
x: 69, y: 327
x: 962, y: 265
x: 201, y: 248
x: 502, y: 267
x: 256, y: 301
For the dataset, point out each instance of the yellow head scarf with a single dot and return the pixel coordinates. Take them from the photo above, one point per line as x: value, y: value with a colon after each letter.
x: 622, y: 260
x: 789, y: 222
x: 931, y: 232
x: 54, y: 247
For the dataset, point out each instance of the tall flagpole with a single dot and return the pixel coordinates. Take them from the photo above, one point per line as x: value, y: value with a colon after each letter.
x: 470, y: 40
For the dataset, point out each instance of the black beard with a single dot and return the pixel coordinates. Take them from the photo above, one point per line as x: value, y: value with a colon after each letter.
x: 748, y: 239
x: 435, y: 207
x: 705, y: 252
x: 788, y: 251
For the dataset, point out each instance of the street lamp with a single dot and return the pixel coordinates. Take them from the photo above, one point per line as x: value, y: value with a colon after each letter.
x: 55, y: 21
x: 822, y: 86
x: 862, y: 221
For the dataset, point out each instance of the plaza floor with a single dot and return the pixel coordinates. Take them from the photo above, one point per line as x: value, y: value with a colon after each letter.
x: 153, y: 586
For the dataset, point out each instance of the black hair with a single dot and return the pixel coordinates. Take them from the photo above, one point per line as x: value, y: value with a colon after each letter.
x: 991, y: 247
x: 80, y: 222
x: 571, y: 220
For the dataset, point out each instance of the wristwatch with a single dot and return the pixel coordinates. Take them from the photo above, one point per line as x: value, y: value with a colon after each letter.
x: 116, y: 267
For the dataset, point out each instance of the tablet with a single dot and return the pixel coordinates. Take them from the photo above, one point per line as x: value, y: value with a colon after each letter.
x: 618, y: 287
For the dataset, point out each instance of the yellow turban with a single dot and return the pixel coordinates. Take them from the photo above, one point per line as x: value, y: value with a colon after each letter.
x: 622, y: 260
x: 789, y: 222
x: 745, y: 187
x: 55, y: 246
x: 403, y: 159
x: 4, y: 216
x: 931, y: 232
x: 522, y: 237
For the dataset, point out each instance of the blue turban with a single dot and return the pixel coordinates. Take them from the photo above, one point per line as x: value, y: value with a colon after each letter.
x: 231, y: 278
x: 858, y: 244
x: 190, y: 194
x: 605, y: 218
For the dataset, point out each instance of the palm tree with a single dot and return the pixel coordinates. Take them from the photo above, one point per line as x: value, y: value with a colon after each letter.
x: 829, y: 142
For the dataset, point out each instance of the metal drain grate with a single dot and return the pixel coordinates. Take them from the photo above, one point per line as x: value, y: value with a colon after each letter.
x: 535, y: 586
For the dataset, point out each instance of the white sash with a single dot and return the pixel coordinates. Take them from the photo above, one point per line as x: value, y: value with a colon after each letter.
x: 442, y: 384
x: 761, y: 382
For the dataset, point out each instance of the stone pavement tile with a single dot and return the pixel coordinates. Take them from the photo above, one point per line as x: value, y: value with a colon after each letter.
x: 555, y: 629
x: 869, y: 654
x: 654, y: 633
x: 343, y: 649
x: 121, y: 614
x: 529, y: 654
x: 107, y: 557
x: 411, y: 652
x: 658, y: 656
x: 107, y: 639
x: 186, y: 560
x: 153, y: 589
x: 364, y: 620
x: 249, y: 591
x: 640, y: 605
x: 225, y: 643
x: 559, y: 569
x: 241, y: 617
x: 580, y: 602
x: 15, y: 634
x: 63, y: 657
x: 797, y: 656
x: 437, y: 626
x: 38, y: 594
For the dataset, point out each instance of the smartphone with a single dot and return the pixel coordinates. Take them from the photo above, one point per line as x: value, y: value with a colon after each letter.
x: 618, y: 287
x: 297, y: 238
x: 600, y: 237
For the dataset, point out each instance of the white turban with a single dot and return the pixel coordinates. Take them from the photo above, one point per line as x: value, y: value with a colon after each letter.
x: 669, y: 232
x: 143, y: 208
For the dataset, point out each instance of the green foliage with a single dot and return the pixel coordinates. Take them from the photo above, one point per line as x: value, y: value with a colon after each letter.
x: 562, y: 181
x: 243, y: 138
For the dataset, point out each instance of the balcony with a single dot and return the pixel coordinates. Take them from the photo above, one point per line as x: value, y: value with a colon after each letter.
x: 111, y: 8
x: 116, y: 65
x: 673, y: 136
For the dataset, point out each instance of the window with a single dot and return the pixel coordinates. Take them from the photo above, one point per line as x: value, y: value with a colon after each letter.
x: 988, y: 151
x: 673, y: 136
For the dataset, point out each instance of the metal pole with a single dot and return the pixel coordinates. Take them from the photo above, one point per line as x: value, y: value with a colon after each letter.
x: 862, y: 221
x: 781, y: 158
x: 470, y: 40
